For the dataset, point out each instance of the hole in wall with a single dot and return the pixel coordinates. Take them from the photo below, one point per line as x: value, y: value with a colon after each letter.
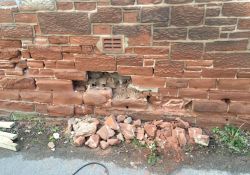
x: 226, y: 100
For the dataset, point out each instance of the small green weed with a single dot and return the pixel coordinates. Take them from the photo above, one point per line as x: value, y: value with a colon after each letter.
x: 138, y: 144
x: 153, y: 157
x: 234, y: 138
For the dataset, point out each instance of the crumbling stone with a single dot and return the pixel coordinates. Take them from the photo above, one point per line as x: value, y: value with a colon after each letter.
x: 79, y: 140
x: 93, y: 141
x: 105, y: 132
x: 127, y: 130
x: 150, y: 129
x: 111, y: 122
x: 104, y: 144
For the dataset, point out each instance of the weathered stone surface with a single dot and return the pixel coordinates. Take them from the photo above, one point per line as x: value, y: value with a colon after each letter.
x: 155, y: 14
x: 33, y: 5
x: 64, y: 23
x: 85, y: 128
x: 107, y: 15
x: 170, y: 34
x: 204, y: 33
x: 187, y: 15
x: 186, y: 51
x: 122, y: 2
x: 236, y: 9
x: 150, y: 129
x: 112, y: 123
x: 138, y: 35
x: 105, y: 132
x: 79, y: 140
x: 93, y: 141
x: 16, y: 31
x: 140, y: 133
x: 17, y: 83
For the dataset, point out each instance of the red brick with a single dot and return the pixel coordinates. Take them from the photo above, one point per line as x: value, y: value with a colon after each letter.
x: 47, y: 72
x: 41, y: 108
x: 16, y: 31
x: 149, y: 63
x: 243, y: 74
x: 67, y: 98
x: 204, y: 33
x: 45, y: 53
x: 85, y: 6
x: 168, y: 92
x: 107, y: 15
x: 227, y: 45
x: 68, y: 74
x: 17, y: 83
x: 209, y: 106
x: 122, y: 2
x: 220, y: 21
x: 130, y: 103
x: 17, y: 106
x: 55, y: 85
x: 229, y: 94
x: 10, y: 44
x: 97, y: 96
x: 191, y: 74
x: 9, y: 95
x: 199, y: 63
x: 102, y: 29
x: 6, y: 65
x: 170, y: 34
x: 132, y: 70
x: 244, y: 24
x: 83, y: 110
x: 50, y: 64
x: 155, y: 14
x: 25, y: 18
x: 152, y: 50
x: 26, y: 54
x: 218, y: 73
x: 176, y: 83
x: 186, y: 51
x: 168, y: 68
x: 61, y: 111
x: 35, y: 64
x: 187, y: 15
x: 36, y: 96
x: 202, y: 83
x: 18, y: 72
x: 236, y: 9
x: 6, y: 16
x: 138, y: 35
x: 64, y: 5
x: 64, y: 23
x: 84, y: 40
x: 58, y: 39
x: 71, y: 49
x: 97, y: 63
x: 178, y: 1
x: 129, y: 60
x: 193, y: 93
x: 149, y: 1
x: 234, y: 84
x: 229, y: 60
x: 239, y: 107
x: 148, y: 82
x: 130, y: 16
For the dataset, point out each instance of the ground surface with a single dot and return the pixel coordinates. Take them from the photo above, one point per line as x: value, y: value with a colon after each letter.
x: 125, y: 159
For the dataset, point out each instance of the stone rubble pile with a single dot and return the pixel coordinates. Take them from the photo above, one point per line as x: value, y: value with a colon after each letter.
x: 114, y: 130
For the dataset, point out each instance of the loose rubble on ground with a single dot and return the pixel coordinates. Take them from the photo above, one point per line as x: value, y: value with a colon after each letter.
x: 114, y: 130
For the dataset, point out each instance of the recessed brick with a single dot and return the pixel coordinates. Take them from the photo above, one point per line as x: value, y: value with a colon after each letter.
x: 107, y: 15
x: 186, y: 51
x: 148, y: 82
x: 64, y: 23
x: 209, y: 106
x: 102, y: 29
x: 155, y: 14
x: 187, y: 15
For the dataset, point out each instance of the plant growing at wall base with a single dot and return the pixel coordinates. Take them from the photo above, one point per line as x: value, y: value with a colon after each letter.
x: 232, y: 137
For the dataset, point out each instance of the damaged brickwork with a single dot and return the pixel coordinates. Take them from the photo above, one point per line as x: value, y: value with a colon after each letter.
x: 145, y: 58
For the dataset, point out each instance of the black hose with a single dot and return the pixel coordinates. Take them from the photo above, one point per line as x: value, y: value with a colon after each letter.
x: 92, y: 163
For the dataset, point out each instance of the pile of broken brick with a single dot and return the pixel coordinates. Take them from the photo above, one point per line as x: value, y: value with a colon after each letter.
x: 114, y: 130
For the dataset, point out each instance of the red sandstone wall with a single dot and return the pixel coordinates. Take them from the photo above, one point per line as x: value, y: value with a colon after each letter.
x: 194, y: 53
